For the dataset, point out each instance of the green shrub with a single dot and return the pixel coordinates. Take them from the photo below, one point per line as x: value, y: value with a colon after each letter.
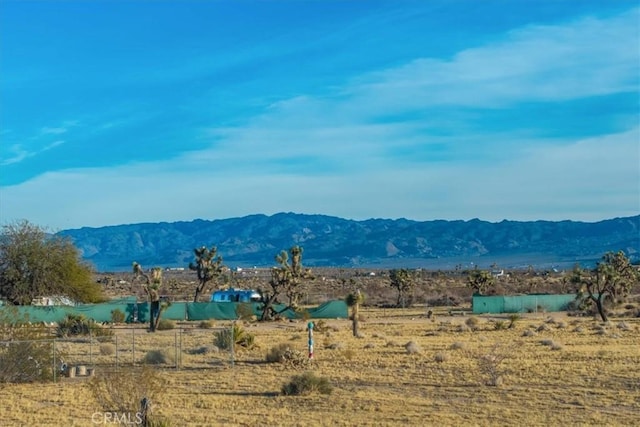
x: 513, y: 318
x: 117, y: 316
x: 307, y: 383
x: 499, y: 325
x: 78, y: 324
x: 235, y: 334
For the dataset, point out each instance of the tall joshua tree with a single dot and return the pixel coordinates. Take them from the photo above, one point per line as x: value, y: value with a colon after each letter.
x: 404, y: 282
x: 285, y: 278
x: 208, y: 266
x: 354, y: 300
x: 152, y: 288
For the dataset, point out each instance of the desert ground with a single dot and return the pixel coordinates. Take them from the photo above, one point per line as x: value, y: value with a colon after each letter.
x: 404, y: 369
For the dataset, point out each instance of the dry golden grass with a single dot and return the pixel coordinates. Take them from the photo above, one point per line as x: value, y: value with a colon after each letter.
x: 592, y: 378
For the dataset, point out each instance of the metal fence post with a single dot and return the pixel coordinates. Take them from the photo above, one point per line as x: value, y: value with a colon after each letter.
x: 133, y: 346
x: 90, y: 348
x: 176, y: 348
x: 116, y: 353
x: 53, y: 346
x: 232, y: 344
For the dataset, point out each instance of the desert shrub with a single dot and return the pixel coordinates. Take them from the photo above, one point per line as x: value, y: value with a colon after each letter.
x: 73, y: 325
x: 391, y: 344
x: 513, y: 318
x: 499, y: 325
x: 557, y: 346
x: 463, y: 328
x: 457, y: 345
x: 412, y: 347
x: 348, y: 354
x: 205, y: 324
x: 26, y: 362
x: 276, y: 353
x: 528, y: 333
x: 547, y: 341
x: 77, y: 324
x: 472, y: 323
x: 27, y: 354
x: 307, y: 383
x: 121, y: 391
x: 204, y: 350
x: 117, y: 316
x: 336, y: 346
x: 236, y: 335
x: 542, y: 328
x: 166, y: 325
x: 490, y: 364
x: 624, y: 326
x: 320, y: 326
x: 158, y: 357
x: 107, y: 349
x: 561, y: 324
x: 441, y: 357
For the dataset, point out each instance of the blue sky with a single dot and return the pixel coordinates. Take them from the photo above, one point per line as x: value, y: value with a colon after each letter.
x: 123, y: 112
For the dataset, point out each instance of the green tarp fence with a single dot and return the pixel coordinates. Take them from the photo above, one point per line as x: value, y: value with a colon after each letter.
x: 521, y: 303
x: 229, y: 311
x: 176, y: 311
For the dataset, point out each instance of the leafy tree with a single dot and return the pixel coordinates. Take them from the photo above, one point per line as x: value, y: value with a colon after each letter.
x: 403, y: 281
x: 479, y: 280
x: 207, y: 265
x: 611, y: 280
x: 285, y: 278
x: 152, y: 288
x: 34, y: 263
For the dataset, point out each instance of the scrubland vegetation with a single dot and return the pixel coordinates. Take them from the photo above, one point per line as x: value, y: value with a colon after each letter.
x: 403, y: 369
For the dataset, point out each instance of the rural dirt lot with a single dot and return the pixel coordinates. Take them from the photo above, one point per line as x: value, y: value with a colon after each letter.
x: 550, y: 370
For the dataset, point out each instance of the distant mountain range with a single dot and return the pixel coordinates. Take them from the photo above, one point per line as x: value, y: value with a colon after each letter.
x: 375, y: 243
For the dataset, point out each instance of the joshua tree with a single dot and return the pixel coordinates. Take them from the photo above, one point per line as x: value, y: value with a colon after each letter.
x: 285, y: 278
x: 403, y: 281
x: 152, y: 288
x: 479, y: 281
x: 611, y: 280
x: 207, y: 265
x: 354, y: 300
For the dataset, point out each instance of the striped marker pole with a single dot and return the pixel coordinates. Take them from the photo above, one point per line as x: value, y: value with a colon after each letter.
x: 310, y: 328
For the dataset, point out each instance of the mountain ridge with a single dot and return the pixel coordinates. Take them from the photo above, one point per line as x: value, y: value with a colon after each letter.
x: 254, y: 240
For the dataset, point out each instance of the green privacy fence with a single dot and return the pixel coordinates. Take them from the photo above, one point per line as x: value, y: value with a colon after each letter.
x: 521, y: 303
x: 176, y: 311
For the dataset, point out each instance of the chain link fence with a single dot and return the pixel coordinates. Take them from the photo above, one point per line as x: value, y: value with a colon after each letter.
x: 180, y: 348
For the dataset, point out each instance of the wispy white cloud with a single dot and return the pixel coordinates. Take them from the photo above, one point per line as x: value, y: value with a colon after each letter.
x: 53, y: 131
x: 585, y: 58
x: 589, y: 180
